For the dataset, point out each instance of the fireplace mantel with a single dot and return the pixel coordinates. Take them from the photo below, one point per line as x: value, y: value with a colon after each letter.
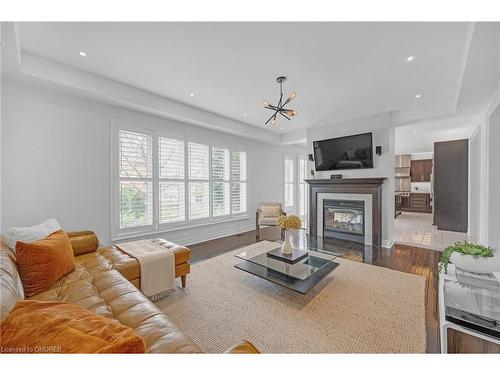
x: 349, y: 181
x: 371, y: 186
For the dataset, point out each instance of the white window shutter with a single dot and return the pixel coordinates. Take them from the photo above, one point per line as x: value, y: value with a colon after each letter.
x: 289, y: 181
x: 136, y: 179
x: 238, y: 182
x: 302, y: 186
x: 192, y: 183
x: 220, y: 182
x: 198, y: 185
x: 172, y: 187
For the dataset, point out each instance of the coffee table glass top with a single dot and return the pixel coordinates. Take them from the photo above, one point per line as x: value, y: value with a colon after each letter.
x: 300, y: 270
x: 300, y: 276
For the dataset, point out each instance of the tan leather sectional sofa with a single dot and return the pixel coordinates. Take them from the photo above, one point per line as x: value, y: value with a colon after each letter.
x: 104, y: 281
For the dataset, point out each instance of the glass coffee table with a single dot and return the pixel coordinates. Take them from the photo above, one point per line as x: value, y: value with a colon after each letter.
x: 299, y: 272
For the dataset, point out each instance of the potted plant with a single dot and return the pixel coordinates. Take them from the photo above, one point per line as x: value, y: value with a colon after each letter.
x: 470, y: 257
x: 288, y: 223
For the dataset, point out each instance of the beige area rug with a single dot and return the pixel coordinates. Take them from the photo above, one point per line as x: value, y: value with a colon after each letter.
x: 358, y: 308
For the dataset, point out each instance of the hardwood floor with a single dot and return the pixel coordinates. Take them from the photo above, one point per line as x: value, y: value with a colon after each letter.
x: 403, y: 258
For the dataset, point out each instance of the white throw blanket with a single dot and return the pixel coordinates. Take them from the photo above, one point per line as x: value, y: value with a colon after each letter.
x: 157, y: 265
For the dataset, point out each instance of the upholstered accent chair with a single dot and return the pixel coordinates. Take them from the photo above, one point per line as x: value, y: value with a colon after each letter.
x: 267, y: 215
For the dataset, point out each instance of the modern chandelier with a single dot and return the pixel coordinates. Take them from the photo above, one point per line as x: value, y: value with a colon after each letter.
x: 280, y: 108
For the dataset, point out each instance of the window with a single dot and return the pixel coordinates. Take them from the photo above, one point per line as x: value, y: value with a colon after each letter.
x: 302, y: 166
x: 238, y: 182
x: 289, y: 181
x: 135, y: 179
x: 164, y: 182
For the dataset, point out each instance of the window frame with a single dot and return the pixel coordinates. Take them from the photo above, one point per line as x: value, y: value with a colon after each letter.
x: 118, y: 233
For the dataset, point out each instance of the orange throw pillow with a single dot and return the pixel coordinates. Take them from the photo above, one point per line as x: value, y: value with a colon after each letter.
x: 43, y: 262
x: 60, y: 327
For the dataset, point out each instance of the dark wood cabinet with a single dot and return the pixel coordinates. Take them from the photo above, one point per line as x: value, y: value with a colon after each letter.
x: 421, y: 170
x: 397, y: 204
x: 417, y: 202
x: 426, y: 170
x: 416, y: 171
x: 405, y: 203
x: 451, y: 180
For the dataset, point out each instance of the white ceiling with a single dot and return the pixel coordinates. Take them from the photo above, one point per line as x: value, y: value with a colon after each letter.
x: 421, y: 137
x: 339, y: 70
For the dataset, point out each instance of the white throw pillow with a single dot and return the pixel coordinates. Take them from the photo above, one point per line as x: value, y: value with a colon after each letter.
x: 30, y: 234
x: 270, y: 211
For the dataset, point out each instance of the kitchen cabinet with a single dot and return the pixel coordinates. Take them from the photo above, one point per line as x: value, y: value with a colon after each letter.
x: 421, y: 170
x: 420, y: 202
x: 405, y: 202
x: 427, y: 170
x: 397, y: 204
x: 416, y: 171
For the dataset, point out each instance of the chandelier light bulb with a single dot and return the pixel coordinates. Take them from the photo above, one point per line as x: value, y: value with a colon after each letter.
x: 266, y: 103
x: 274, y: 121
x: 292, y: 95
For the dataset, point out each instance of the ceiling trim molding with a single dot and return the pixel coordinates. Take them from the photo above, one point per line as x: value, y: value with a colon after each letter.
x: 493, y: 104
x: 120, y: 94
x: 467, y: 44
x: 297, y: 137
x: 79, y: 82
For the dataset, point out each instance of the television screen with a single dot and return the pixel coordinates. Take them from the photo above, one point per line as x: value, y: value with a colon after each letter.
x: 351, y: 152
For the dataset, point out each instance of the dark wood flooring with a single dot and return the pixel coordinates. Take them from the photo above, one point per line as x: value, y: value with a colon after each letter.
x: 408, y: 259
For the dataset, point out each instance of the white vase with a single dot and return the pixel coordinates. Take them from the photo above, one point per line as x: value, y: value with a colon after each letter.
x: 287, y: 247
x: 476, y: 264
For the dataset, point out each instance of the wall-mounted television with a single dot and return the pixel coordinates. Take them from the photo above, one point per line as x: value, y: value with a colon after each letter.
x: 351, y: 152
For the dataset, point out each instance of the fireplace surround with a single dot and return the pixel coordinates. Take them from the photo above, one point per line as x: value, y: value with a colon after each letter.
x: 364, y: 191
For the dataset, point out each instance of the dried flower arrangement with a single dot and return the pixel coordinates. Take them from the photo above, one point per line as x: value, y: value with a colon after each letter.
x: 291, y: 222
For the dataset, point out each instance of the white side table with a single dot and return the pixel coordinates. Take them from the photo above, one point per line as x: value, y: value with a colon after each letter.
x: 474, y: 300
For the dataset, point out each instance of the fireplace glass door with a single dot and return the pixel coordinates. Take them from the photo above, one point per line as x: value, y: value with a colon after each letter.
x: 344, y: 219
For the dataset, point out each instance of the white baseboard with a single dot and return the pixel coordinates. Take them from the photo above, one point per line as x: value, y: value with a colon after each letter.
x: 213, y: 236
x: 388, y: 243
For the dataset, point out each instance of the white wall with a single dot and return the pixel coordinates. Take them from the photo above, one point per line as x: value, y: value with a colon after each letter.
x: 56, y: 162
x: 494, y: 180
x: 383, y: 135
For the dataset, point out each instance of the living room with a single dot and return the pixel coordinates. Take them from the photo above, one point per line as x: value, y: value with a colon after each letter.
x: 165, y: 191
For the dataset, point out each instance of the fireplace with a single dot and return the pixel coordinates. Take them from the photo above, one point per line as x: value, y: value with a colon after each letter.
x: 344, y: 219
x: 355, y: 202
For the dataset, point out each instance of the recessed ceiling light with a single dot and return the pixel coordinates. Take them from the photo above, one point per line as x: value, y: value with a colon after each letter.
x: 191, y: 95
x: 245, y: 115
x: 410, y: 58
x: 414, y: 132
x: 418, y: 96
x: 82, y: 53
